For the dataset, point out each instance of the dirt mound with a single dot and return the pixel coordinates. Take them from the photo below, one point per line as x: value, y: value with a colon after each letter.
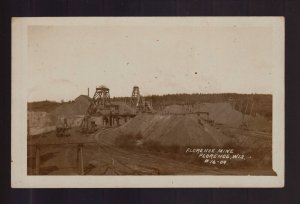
x: 222, y: 113
x: 225, y: 113
x: 259, y: 123
x: 182, y: 130
x: 178, y: 109
x: 78, y: 107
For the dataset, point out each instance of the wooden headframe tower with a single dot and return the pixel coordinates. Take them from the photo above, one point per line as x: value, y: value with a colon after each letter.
x: 136, y: 99
x: 100, y: 100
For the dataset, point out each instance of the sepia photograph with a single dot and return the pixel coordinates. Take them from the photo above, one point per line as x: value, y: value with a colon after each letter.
x: 148, y: 102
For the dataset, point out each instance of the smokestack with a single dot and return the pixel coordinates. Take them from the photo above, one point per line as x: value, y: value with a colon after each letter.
x: 88, y: 92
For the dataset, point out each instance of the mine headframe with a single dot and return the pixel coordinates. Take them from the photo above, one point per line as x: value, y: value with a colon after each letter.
x: 100, y: 100
x: 100, y: 104
x: 138, y: 101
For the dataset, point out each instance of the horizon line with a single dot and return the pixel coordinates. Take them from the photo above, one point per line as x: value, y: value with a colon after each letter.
x: 66, y: 100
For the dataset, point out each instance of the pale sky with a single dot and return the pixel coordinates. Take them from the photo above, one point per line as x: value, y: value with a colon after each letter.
x: 65, y: 60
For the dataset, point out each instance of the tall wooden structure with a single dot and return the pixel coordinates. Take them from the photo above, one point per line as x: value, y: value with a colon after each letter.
x: 100, y: 100
x: 100, y: 104
x: 139, y: 102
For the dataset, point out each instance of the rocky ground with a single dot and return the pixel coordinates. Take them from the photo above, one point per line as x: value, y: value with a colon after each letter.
x: 102, y: 156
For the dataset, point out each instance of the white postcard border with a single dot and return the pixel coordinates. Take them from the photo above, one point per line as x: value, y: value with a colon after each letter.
x: 19, y: 177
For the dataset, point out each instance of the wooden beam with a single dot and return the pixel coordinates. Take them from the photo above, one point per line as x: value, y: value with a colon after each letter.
x: 37, y: 160
x: 80, y: 159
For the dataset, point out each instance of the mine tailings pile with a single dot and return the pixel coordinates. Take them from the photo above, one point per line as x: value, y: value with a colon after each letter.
x: 180, y: 125
x: 181, y: 130
x: 224, y: 113
x: 77, y: 107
